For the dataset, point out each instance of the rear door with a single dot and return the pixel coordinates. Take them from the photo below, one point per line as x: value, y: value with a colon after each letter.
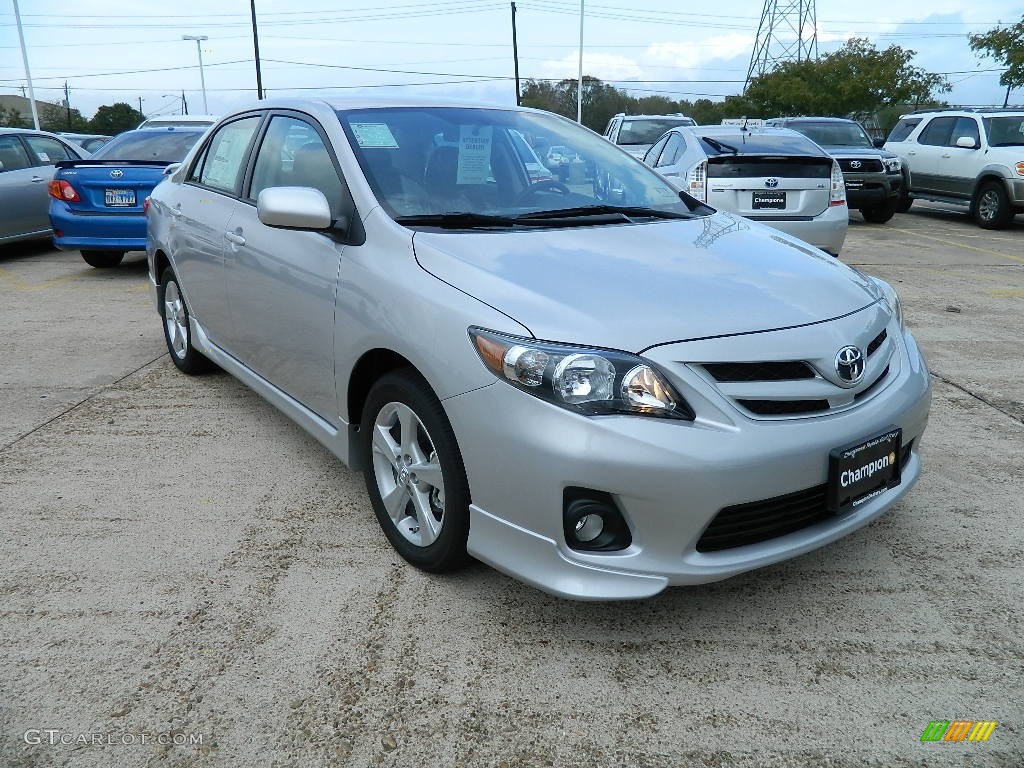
x: 932, y: 142
x: 44, y: 151
x: 202, y: 207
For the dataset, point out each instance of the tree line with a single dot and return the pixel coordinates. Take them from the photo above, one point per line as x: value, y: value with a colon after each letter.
x: 109, y: 119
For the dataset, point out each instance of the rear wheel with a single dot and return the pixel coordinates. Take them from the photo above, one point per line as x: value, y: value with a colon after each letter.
x: 102, y: 259
x: 414, y: 473
x: 879, y: 214
x: 177, y: 328
x: 992, y: 209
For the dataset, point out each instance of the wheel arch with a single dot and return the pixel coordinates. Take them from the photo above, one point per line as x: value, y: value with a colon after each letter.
x: 368, y: 369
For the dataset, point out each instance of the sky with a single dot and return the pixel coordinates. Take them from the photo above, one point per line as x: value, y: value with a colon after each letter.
x: 449, y: 48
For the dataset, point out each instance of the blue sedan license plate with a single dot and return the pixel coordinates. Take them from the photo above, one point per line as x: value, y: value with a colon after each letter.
x: 119, y: 198
x: 860, y: 471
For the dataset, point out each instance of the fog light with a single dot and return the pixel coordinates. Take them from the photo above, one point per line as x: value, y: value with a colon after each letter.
x: 589, y: 527
x: 592, y: 521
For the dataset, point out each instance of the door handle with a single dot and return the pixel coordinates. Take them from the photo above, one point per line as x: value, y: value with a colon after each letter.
x: 234, y: 237
x: 37, y: 179
x: 947, y: 155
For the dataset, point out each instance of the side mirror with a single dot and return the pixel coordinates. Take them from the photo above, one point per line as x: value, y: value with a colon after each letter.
x: 967, y: 142
x: 294, y: 208
x: 878, y: 143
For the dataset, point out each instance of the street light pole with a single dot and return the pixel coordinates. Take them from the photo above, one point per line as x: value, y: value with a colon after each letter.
x: 28, y: 74
x: 579, y: 81
x: 202, y: 77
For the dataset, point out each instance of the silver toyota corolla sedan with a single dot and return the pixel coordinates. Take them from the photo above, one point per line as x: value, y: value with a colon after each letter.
x: 602, y: 390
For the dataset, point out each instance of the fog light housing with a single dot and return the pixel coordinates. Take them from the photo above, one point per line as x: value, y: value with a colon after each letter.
x: 592, y: 522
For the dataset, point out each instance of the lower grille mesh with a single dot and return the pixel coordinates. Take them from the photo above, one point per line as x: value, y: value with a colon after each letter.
x: 757, y: 521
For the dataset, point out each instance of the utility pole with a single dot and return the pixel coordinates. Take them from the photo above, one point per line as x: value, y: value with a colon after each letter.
x: 1006, y: 99
x: 28, y: 74
x: 579, y: 82
x: 184, y: 104
x: 67, y: 102
x: 140, y: 107
x: 515, y: 53
x: 256, y: 46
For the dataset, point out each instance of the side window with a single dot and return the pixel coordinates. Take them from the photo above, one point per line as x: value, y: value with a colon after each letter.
x: 965, y: 126
x: 224, y: 157
x: 904, y: 128
x: 49, y: 151
x: 671, y: 152
x: 293, y: 155
x: 13, y: 156
x: 651, y: 158
x: 937, y: 132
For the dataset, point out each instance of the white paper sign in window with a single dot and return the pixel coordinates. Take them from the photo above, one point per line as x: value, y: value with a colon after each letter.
x: 374, y: 136
x: 474, y: 154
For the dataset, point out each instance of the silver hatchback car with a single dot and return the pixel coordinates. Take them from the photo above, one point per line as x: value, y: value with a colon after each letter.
x: 601, y: 398
x: 775, y: 176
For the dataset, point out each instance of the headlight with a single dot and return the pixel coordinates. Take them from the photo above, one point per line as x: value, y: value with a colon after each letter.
x: 892, y: 164
x: 893, y: 300
x: 589, y: 381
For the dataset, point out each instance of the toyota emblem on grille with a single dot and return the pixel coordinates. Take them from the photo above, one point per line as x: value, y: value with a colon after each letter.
x: 117, y: 173
x: 771, y: 183
x: 855, y: 163
x: 850, y: 364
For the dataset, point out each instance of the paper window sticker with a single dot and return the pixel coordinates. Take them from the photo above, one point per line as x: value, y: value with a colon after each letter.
x: 43, y: 156
x: 374, y: 136
x: 474, y: 154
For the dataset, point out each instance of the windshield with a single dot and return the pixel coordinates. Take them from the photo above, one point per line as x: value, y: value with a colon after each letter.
x: 648, y: 131
x: 1005, y: 131
x: 834, y: 134
x: 149, y: 146
x: 424, y: 161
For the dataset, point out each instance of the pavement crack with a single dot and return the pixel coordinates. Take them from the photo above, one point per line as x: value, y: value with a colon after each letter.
x: 979, y: 398
x: 79, y: 404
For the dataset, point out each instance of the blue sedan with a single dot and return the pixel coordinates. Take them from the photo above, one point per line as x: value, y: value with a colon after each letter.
x: 96, y: 205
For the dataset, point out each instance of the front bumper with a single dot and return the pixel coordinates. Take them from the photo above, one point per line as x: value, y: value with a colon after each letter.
x: 668, y: 478
x: 868, y: 189
x: 107, y: 231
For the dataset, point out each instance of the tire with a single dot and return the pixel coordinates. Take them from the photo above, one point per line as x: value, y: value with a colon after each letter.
x: 905, y: 202
x: 102, y: 259
x: 992, y: 209
x: 405, y: 434
x: 177, y: 328
x: 879, y: 214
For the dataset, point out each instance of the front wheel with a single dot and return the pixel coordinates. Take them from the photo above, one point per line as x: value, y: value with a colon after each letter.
x: 879, y: 214
x: 992, y: 209
x: 414, y: 473
x: 102, y: 259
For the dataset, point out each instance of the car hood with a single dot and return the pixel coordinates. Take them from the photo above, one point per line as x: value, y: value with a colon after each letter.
x: 632, y: 286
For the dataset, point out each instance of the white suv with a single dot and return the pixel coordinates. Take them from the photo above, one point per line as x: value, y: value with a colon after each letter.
x: 966, y: 157
x: 636, y: 133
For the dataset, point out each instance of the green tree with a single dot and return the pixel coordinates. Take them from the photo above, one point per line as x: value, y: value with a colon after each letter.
x: 114, y: 118
x: 54, y: 117
x: 857, y: 79
x: 1005, y: 45
x: 600, y: 100
x: 11, y: 118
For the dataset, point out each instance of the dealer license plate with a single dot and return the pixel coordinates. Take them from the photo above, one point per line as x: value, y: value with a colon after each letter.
x: 860, y: 471
x: 775, y: 200
x: 119, y: 198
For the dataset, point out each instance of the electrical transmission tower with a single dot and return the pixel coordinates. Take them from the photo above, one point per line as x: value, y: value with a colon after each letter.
x: 788, y: 32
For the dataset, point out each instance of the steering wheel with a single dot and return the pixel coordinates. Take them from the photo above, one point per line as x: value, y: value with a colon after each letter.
x: 540, y: 186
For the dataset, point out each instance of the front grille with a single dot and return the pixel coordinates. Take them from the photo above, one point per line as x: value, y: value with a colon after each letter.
x: 772, y: 371
x: 873, y: 385
x: 876, y: 343
x: 866, y: 166
x: 784, y: 407
x: 757, y: 521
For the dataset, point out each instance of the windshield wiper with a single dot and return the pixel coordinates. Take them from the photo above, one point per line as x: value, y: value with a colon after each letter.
x: 456, y: 220
x: 720, y: 146
x: 585, y: 211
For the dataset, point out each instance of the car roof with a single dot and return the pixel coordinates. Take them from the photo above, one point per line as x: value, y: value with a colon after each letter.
x: 767, y: 140
x: 29, y: 130
x: 812, y: 119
